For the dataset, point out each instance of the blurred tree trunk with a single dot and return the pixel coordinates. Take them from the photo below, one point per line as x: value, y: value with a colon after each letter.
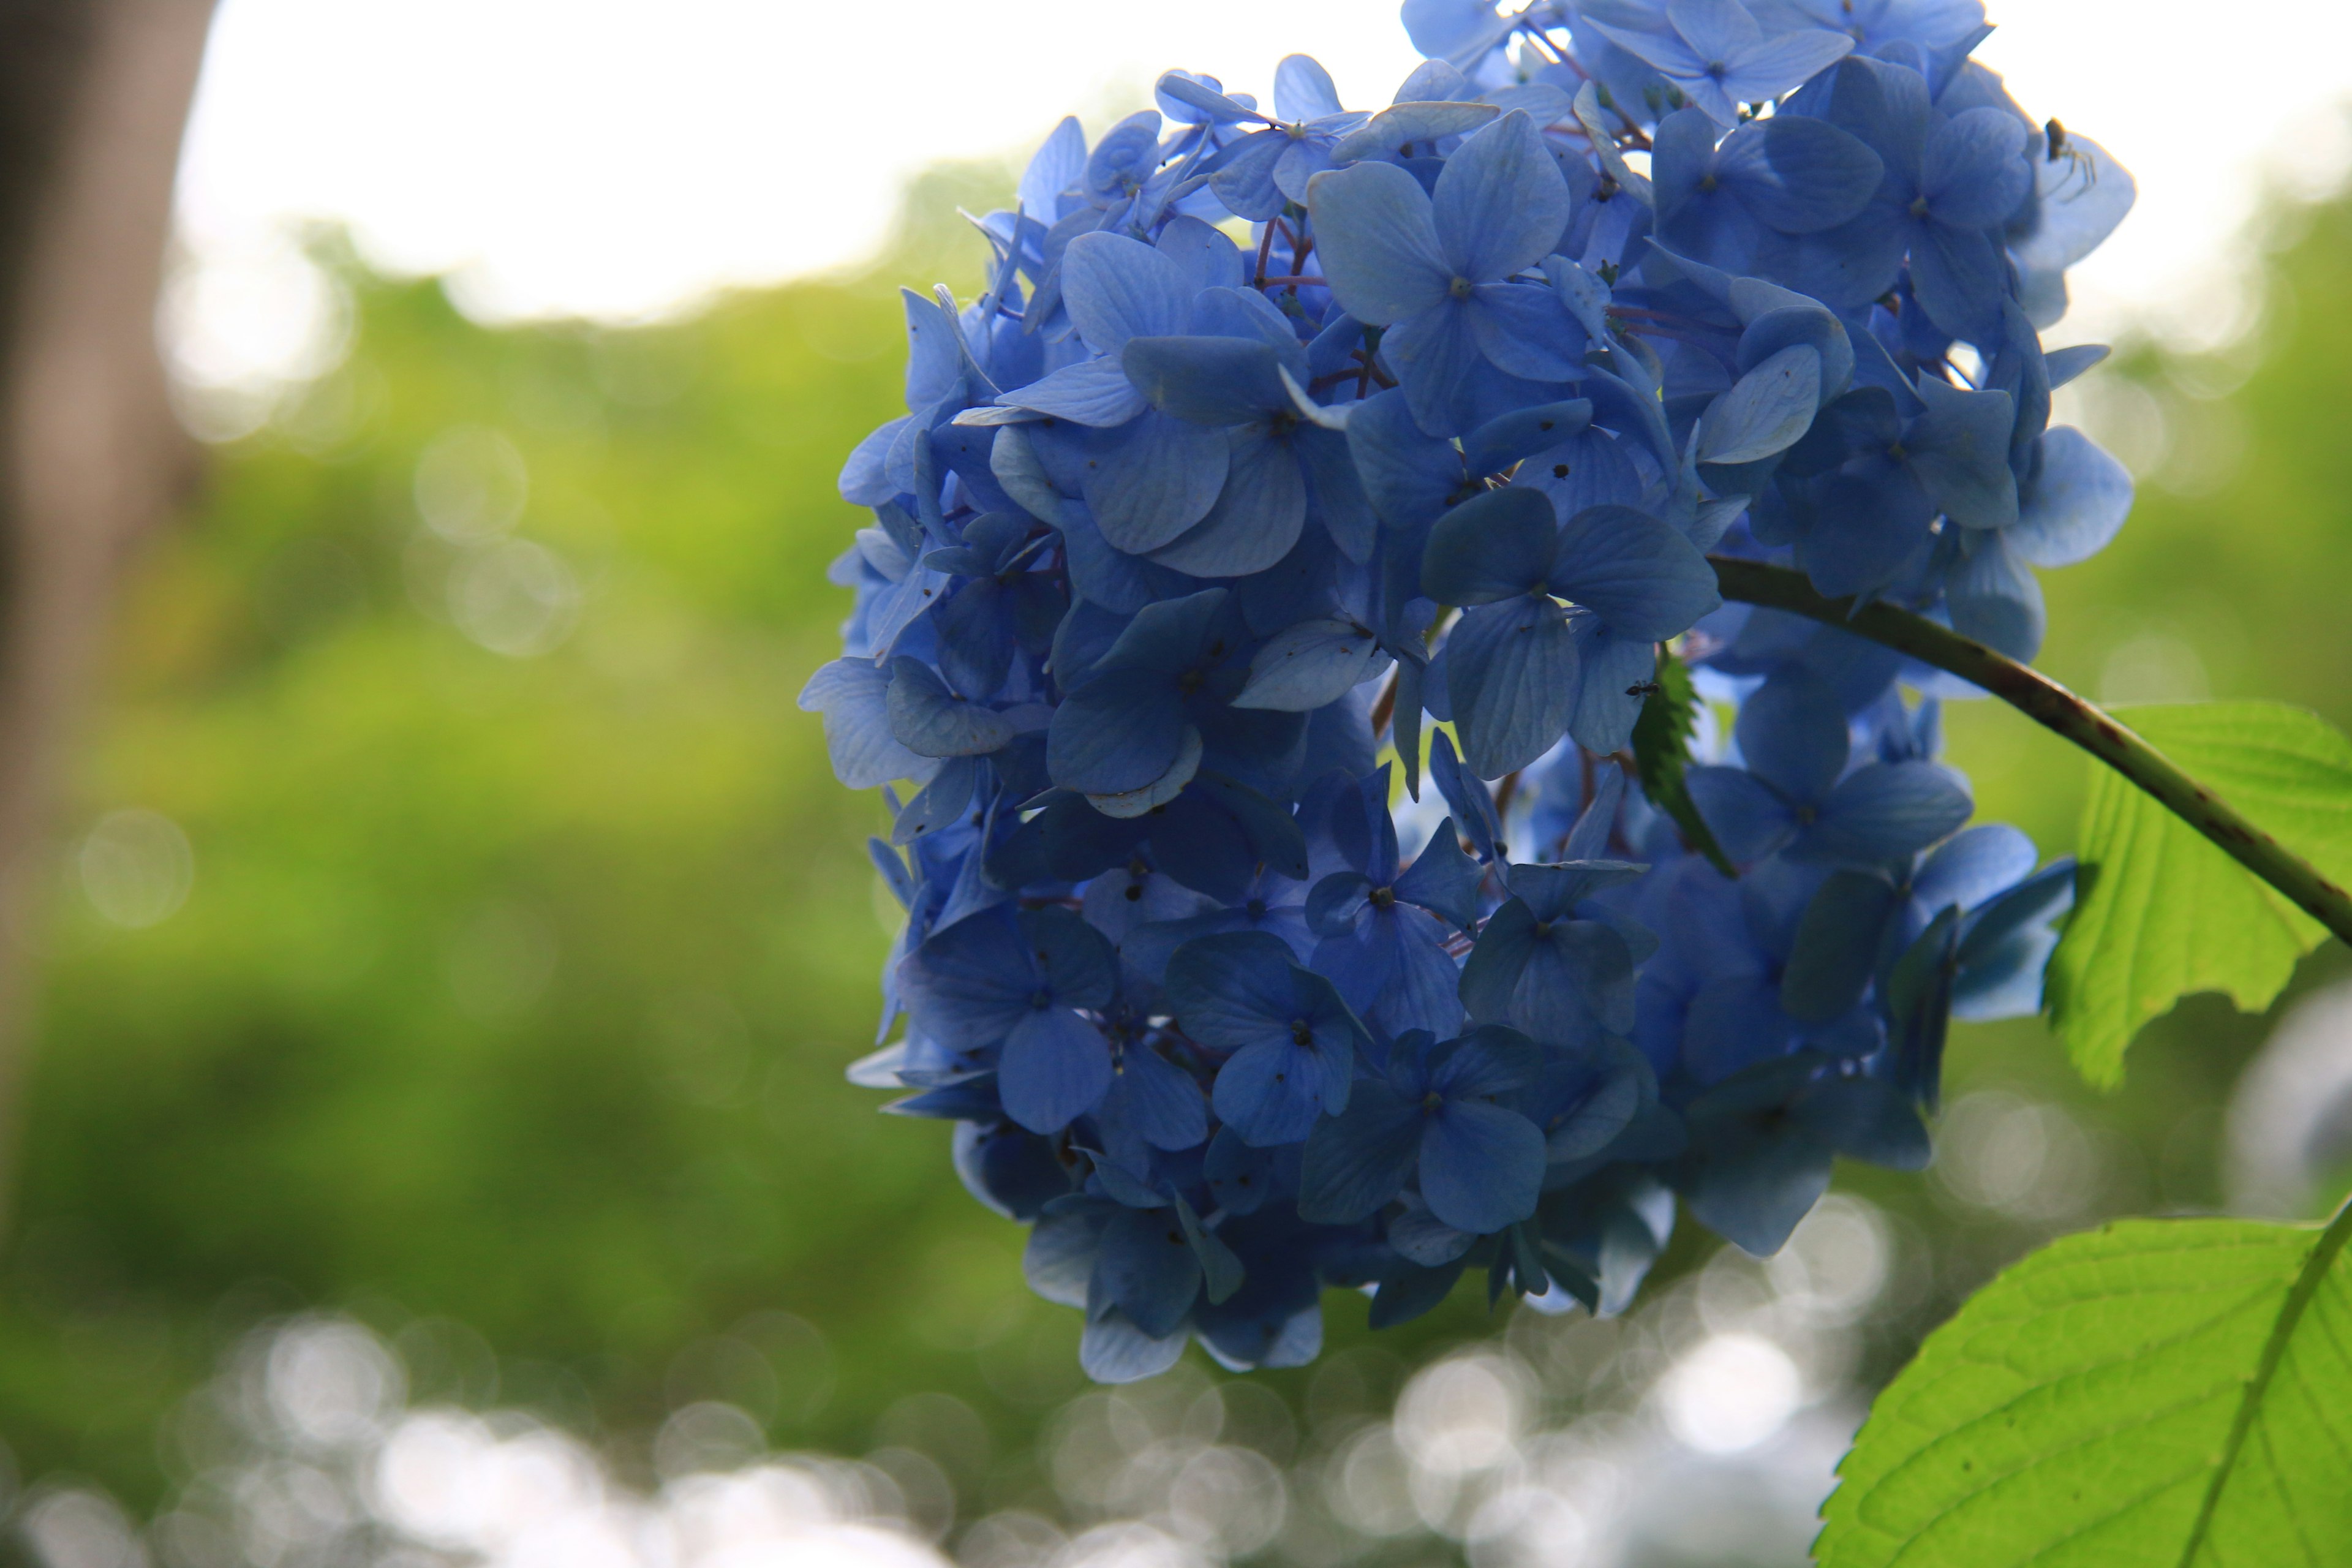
x: 94, y: 95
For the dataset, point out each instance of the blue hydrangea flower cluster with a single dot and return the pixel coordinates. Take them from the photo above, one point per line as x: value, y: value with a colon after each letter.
x: 1272, y: 573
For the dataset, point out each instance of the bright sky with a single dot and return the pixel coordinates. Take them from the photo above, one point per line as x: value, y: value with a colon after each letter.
x: 620, y: 158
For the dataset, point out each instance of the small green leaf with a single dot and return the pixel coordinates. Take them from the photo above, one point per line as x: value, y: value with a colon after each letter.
x: 1662, y: 751
x: 2174, y: 1392
x: 2165, y: 912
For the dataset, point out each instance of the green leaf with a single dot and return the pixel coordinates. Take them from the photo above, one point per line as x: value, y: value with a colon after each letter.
x: 1662, y: 737
x: 2166, y: 912
x: 2158, y: 1392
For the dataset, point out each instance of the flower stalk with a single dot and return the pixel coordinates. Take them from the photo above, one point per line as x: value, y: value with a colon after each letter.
x: 2054, y: 708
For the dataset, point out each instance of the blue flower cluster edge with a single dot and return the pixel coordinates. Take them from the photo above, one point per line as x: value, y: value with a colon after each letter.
x: 1306, y: 485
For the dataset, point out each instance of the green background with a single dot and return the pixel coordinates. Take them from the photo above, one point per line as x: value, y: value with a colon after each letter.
x: 515, y: 991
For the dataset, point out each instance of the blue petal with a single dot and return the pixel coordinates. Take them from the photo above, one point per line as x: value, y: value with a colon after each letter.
x: 1590, y: 1096
x: 1886, y: 812
x: 1553, y: 892
x: 1608, y: 699
x: 1240, y: 1178
x: 1422, y: 112
x: 1836, y: 946
x: 2043, y: 897
x: 1474, y: 805
x: 1485, y: 1063
x: 1525, y: 330
x: 2075, y: 212
x: 1496, y: 546
x: 1975, y: 174
x: 1513, y: 682
x: 1500, y: 442
x: 1994, y: 597
x: 865, y: 478
x: 1443, y: 878
x: 970, y: 984
x: 1055, y: 1068
x: 1245, y: 181
x: 1113, y: 1350
x: 1958, y: 276
x: 1972, y: 867
x: 1422, y: 1238
x: 1092, y: 392
x: 1256, y: 517
x: 854, y: 697
x: 1766, y: 411
x: 1511, y: 674
x: 1793, y: 733
x: 1054, y: 168
x: 1210, y: 260
x: 1182, y: 91
x: 1233, y: 990
x: 2078, y: 500
x: 1377, y: 242
x: 1074, y: 960
x: 1156, y: 477
x: 1753, y: 1192
x: 1775, y: 65
x: 1747, y: 819
x: 1119, y: 731
x: 1145, y: 1268
x: 1207, y: 380
x: 1395, y: 972
x: 1481, y: 1166
x: 1271, y: 1092
x: 1220, y: 1270
x: 2004, y: 980
x: 1798, y: 174
x: 1867, y: 527
x: 1865, y: 1119
x: 1501, y: 202
x: 1059, y: 1257
x: 1408, y: 476
x: 933, y: 361
x: 1337, y: 492
x: 1355, y: 1161
x: 1959, y: 449
x: 1116, y: 288
x: 932, y: 721
x: 1309, y: 665
x: 1641, y: 578
x: 1436, y: 354
x: 1303, y: 89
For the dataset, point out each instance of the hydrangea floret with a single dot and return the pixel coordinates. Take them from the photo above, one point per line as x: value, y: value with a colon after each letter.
x: 1346, y: 838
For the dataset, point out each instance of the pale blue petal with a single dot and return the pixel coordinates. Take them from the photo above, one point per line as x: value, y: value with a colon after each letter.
x: 1156, y: 478
x: 1766, y: 411
x: 2077, y: 503
x: 1092, y: 392
x: 1500, y: 204
x: 1642, y: 578
x: 1377, y: 242
x: 1309, y: 665
x: 1255, y: 519
x: 1116, y: 288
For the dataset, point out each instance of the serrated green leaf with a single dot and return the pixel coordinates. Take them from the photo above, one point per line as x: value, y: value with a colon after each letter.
x: 2166, y: 914
x: 2173, y: 1393
x: 1662, y: 736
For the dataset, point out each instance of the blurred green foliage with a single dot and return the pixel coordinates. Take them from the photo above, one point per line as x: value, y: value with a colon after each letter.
x: 516, y: 990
